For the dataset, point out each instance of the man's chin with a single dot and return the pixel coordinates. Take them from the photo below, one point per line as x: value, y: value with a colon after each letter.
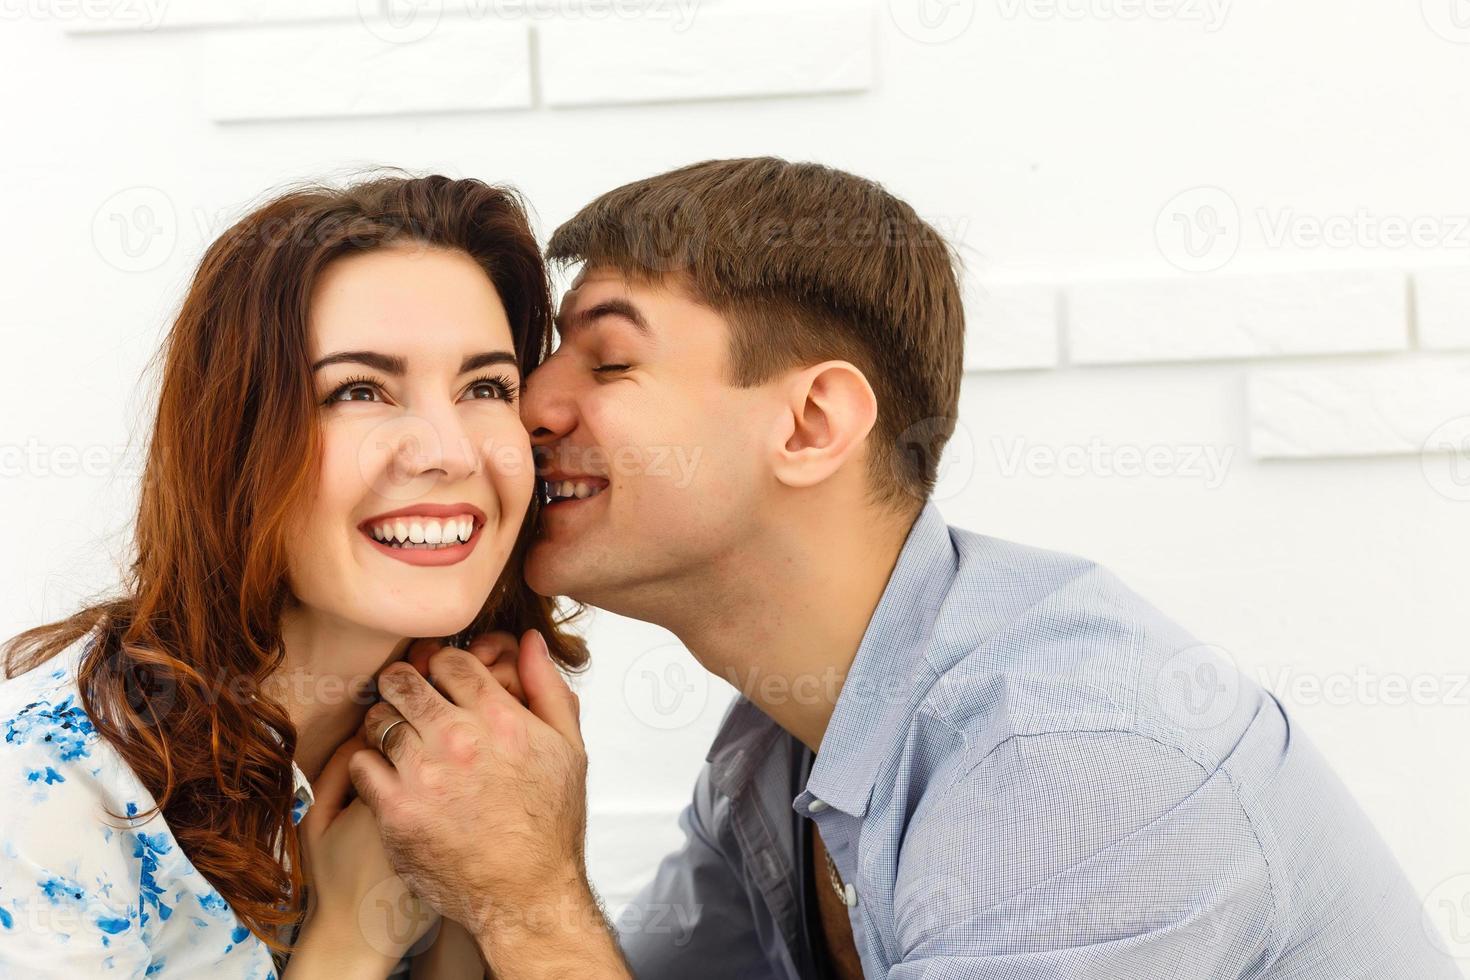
x: 549, y: 569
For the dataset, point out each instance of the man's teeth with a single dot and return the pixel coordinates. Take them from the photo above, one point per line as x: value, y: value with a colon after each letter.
x: 426, y: 531
x: 562, y: 489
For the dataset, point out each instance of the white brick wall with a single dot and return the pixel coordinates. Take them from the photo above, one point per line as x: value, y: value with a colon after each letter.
x: 1010, y: 325
x: 307, y: 70
x: 722, y: 53
x: 1241, y: 316
x: 149, y: 15
x: 1357, y: 410
x: 1442, y: 301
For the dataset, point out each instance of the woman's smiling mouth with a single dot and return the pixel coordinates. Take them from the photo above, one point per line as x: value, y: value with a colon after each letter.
x: 426, y: 534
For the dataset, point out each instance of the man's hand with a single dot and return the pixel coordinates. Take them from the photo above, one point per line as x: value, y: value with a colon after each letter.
x: 481, y: 803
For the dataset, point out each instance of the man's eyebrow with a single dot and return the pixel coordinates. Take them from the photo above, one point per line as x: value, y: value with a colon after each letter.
x: 398, y: 366
x: 609, y: 307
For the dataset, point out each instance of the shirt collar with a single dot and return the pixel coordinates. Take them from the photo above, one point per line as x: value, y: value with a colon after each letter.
x: 881, y: 689
x: 301, y: 794
x: 302, y: 789
x: 891, y: 671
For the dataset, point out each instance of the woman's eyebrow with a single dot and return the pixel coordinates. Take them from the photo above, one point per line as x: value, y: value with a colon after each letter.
x: 487, y: 358
x: 398, y: 366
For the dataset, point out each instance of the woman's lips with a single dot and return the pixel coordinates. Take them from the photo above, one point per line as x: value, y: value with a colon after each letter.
x: 430, y: 513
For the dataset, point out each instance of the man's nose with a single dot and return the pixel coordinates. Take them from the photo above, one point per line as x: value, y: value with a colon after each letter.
x: 548, y: 408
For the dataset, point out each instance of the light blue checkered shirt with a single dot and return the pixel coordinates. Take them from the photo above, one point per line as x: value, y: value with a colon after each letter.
x: 1032, y: 773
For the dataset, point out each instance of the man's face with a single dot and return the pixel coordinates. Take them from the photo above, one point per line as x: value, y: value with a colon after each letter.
x: 633, y: 413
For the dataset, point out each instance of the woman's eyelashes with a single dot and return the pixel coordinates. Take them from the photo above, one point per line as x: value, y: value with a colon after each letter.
x: 499, y: 389
x: 609, y: 368
x: 504, y: 387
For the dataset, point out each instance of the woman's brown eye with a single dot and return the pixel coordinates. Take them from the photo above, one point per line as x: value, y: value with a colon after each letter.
x: 351, y: 386
x: 603, y: 368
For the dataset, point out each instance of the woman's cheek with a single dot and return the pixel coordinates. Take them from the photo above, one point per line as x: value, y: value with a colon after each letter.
x: 514, y: 468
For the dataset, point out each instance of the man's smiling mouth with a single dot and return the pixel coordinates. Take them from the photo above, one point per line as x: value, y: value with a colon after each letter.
x: 568, y: 489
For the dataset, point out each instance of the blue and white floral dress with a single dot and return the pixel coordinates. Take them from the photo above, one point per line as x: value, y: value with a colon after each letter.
x: 79, y: 898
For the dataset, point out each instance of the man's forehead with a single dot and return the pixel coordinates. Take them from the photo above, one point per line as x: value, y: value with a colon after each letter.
x: 595, y: 285
x: 597, y: 279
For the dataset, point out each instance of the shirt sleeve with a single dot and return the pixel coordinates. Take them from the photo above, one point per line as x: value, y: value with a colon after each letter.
x: 69, y: 878
x: 694, y: 918
x: 1083, y: 854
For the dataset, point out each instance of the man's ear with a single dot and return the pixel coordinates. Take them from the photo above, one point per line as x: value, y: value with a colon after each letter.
x: 827, y: 412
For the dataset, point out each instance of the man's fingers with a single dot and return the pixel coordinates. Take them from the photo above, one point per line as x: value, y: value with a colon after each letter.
x: 548, y: 695
x: 486, y: 647
x: 404, y: 688
x: 491, y: 648
x: 499, y: 651
x: 420, y: 651
x: 402, y: 745
x: 373, y: 778
x: 509, y: 677
x: 466, y: 681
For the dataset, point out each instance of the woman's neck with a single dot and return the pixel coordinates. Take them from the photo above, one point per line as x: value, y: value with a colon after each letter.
x: 325, y: 682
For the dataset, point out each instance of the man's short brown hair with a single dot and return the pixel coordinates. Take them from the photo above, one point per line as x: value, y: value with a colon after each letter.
x: 807, y: 264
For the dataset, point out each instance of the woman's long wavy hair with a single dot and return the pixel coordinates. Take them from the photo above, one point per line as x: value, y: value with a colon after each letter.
x: 171, y: 680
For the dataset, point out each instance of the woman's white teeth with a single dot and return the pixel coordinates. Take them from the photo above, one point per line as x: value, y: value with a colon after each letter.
x: 425, y: 531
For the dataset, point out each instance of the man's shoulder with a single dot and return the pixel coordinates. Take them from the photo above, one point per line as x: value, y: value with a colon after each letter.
x: 1030, y: 641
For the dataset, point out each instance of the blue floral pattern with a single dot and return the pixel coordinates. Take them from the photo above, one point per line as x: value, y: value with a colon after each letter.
x: 80, y: 897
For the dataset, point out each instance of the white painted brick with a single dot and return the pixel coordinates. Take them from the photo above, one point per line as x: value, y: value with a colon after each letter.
x: 720, y: 53
x: 1009, y: 326
x: 1256, y: 316
x: 149, y: 15
x: 1442, y: 302
x: 351, y: 70
x: 1356, y: 410
x: 677, y: 13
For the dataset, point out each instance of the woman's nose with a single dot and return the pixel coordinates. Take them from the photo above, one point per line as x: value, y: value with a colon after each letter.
x: 429, y: 445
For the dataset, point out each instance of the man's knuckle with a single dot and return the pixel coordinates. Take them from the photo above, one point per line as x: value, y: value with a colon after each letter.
x: 379, y: 714
x: 447, y: 659
x: 461, y: 742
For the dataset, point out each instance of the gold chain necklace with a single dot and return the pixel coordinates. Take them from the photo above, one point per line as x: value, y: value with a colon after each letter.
x: 833, y: 876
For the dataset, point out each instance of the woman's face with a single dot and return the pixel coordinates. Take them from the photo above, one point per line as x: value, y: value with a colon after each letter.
x: 417, y: 386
